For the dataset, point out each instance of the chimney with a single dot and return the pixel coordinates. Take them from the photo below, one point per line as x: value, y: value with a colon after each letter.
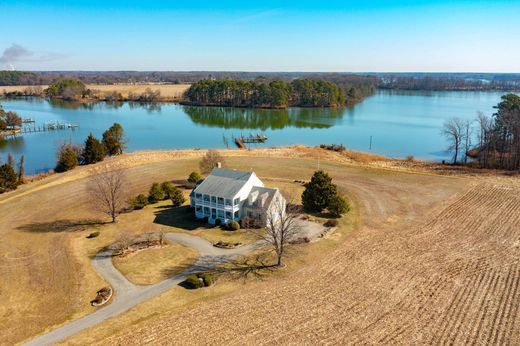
x: 219, y: 164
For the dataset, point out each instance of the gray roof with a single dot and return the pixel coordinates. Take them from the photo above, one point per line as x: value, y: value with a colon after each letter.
x: 264, y: 193
x: 224, y: 183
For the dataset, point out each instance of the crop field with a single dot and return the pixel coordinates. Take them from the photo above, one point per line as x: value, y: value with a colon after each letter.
x: 433, y: 260
x: 449, y: 277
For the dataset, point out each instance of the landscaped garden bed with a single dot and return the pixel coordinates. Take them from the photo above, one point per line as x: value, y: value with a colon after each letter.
x: 102, y: 297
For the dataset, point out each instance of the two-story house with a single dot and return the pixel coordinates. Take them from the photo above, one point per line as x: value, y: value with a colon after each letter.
x: 227, y: 195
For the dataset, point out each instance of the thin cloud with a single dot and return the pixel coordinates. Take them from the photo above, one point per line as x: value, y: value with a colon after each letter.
x: 17, y: 53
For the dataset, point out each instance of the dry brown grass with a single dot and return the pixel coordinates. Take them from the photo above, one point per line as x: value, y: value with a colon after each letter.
x: 168, y: 91
x: 424, y: 241
x: 153, y: 265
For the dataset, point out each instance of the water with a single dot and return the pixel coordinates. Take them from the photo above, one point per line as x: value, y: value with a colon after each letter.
x: 400, y: 123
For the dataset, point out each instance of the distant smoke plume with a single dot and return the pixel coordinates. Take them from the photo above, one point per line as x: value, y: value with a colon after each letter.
x: 17, y: 53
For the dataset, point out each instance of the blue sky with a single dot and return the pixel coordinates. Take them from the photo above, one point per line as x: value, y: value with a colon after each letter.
x: 465, y: 36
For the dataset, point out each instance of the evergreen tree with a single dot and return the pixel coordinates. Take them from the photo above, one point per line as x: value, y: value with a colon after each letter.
x: 8, y: 178
x: 177, y: 197
x: 94, y: 151
x: 318, y: 192
x: 338, y: 206
x: 67, y: 158
x: 113, y: 140
x: 194, y: 177
x: 156, y: 193
x: 167, y: 189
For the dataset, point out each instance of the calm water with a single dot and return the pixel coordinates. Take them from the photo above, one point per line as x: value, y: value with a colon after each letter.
x: 400, y: 123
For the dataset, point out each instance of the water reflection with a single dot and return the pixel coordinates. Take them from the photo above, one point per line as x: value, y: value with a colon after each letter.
x: 12, y: 144
x: 246, y: 118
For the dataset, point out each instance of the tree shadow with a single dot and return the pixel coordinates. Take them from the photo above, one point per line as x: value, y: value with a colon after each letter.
x: 243, y: 268
x: 62, y: 226
x: 179, y: 217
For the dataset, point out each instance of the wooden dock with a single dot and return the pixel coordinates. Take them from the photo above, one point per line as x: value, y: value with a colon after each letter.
x: 40, y: 128
x: 243, y: 140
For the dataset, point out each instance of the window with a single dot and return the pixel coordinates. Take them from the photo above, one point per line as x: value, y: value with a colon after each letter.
x: 213, y: 213
x: 213, y: 199
x: 236, y: 214
x: 198, y: 195
x: 237, y: 201
x: 220, y: 213
x: 206, y: 198
x: 228, y: 215
x: 228, y: 202
x: 206, y: 211
x: 198, y: 209
x: 220, y: 201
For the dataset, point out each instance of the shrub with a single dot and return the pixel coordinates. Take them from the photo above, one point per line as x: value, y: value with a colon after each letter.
x: 250, y: 222
x: 234, y: 226
x: 338, y: 206
x: 93, y: 235
x: 218, y: 222
x: 177, y: 197
x: 410, y: 158
x: 331, y: 223
x: 155, y: 194
x: 206, y: 278
x: 194, y: 177
x: 318, y: 192
x: 167, y: 189
x: 139, y: 202
x: 193, y: 281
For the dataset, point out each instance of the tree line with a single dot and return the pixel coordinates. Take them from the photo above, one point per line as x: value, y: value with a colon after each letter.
x: 494, y: 142
x: 275, y: 94
x: 94, y: 150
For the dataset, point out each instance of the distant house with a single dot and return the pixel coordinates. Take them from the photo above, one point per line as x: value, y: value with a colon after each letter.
x: 227, y: 195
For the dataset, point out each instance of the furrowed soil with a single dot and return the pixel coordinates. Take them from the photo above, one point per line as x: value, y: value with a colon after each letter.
x: 432, y: 260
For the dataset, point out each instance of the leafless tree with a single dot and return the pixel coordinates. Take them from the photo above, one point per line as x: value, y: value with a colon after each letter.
x: 210, y: 161
x: 453, y: 130
x: 467, y: 134
x: 107, y: 191
x: 281, y: 227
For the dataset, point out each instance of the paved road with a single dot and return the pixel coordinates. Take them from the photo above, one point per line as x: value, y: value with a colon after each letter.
x: 128, y: 295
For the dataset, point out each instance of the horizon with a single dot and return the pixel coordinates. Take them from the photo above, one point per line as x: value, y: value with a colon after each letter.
x: 376, y: 36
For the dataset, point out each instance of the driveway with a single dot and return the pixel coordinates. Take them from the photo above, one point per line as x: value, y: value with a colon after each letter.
x: 128, y: 295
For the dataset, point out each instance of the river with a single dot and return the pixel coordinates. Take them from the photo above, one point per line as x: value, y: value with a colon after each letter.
x: 399, y: 123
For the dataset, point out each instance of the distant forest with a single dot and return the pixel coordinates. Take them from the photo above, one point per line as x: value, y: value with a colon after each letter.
x: 259, y: 94
x: 355, y: 86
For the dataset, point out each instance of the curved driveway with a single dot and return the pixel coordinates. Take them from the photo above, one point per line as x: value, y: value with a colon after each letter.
x: 128, y: 295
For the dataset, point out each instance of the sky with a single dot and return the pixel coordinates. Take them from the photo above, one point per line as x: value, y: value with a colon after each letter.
x: 342, y: 36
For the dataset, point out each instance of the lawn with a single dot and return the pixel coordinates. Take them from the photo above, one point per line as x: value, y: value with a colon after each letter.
x: 154, y: 265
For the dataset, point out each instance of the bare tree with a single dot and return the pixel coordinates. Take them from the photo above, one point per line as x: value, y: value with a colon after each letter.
x: 107, y: 191
x: 210, y: 161
x: 453, y: 130
x: 281, y: 227
x: 467, y: 133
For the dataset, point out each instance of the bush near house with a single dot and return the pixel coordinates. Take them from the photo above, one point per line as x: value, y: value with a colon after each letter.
x: 331, y: 223
x: 194, y: 177
x: 177, y: 197
x: 139, y: 202
x: 320, y: 194
x: 233, y: 226
x: 155, y: 194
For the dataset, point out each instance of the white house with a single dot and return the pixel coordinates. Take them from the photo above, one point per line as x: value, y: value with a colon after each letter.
x: 227, y: 195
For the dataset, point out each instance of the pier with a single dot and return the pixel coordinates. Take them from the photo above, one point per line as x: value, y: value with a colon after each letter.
x: 243, y: 140
x: 53, y: 126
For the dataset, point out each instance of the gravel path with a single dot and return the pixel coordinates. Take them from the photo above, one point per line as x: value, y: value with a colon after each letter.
x: 128, y: 295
